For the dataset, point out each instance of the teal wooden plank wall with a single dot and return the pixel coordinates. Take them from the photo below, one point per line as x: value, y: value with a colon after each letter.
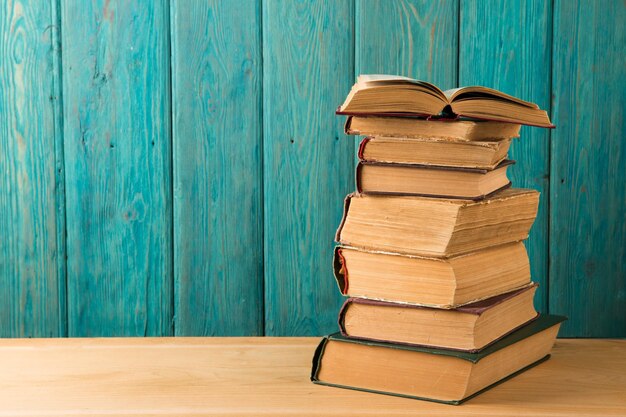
x: 32, y: 243
x: 117, y: 141
x: 176, y: 168
x: 308, y: 65
x: 218, y: 177
x: 588, y: 189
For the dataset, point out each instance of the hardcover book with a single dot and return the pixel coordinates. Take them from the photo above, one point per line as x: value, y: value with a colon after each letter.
x: 444, y: 129
x: 471, y: 327
x: 430, y: 180
x: 434, y: 374
x: 435, y: 282
x: 398, y: 96
x: 436, y: 227
x: 436, y: 152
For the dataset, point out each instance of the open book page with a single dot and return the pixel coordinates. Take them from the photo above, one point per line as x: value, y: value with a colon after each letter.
x: 379, y: 80
x: 365, y: 78
x: 484, y: 92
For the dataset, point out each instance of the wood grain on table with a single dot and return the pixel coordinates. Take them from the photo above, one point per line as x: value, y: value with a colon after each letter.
x: 270, y: 376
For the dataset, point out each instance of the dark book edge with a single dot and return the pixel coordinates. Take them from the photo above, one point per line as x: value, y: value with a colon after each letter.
x: 338, y: 266
x: 362, y: 145
x: 357, y: 177
x: 317, y: 359
x: 347, y: 127
x: 346, y: 207
x: 541, y: 323
x: 451, y: 197
x: 453, y: 402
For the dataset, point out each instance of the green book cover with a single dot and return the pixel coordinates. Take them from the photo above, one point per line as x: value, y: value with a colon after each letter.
x: 543, y: 322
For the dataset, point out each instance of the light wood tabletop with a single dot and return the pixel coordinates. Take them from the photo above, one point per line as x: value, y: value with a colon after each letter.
x: 270, y: 377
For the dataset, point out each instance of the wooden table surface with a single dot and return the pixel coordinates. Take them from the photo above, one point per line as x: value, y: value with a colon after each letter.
x: 270, y: 377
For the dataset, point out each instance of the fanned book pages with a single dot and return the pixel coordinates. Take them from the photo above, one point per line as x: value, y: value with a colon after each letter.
x: 401, y: 96
x: 436, y: 227
x: 434, y: 152
x: 434, y: 374
x: 436, y: 282
x: 431, y: 180
x: 443, y: 129
x: 469, y: 328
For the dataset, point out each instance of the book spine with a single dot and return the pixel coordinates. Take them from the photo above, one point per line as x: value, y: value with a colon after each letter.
x: 347, y: 127
x: 342, y: 315
x: 346, y: 207
x: 362, y: 145
x: 317, y: 359
x: 357, y: 180
x: 340, y: 271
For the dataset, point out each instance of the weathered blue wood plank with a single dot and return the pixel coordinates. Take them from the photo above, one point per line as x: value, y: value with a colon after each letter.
x: 218, y: 202
x: 413, y: 38
x: 588, y: 190
x: 506, y: 44
x: 32, y: 258
x: 118, y: 170
x: 416, y: 38
x: 308, y: 163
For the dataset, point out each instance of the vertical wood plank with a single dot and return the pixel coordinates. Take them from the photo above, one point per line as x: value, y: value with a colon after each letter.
x: 588, y: 216
x: 506, y: 44
x: 414, y: 38
x: 32, y: 258
x: 118, y: 169
x: 308, y: 162
x: 218, y: 203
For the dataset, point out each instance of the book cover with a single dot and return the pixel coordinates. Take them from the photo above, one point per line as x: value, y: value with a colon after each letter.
x: 543, y: 322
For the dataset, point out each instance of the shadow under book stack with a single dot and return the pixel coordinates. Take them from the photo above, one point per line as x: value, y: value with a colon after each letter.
x: 431, y: 256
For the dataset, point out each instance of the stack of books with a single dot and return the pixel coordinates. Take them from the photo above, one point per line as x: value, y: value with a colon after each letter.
x: 431, y: 251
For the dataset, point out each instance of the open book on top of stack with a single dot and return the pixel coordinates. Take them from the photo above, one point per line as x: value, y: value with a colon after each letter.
x: 401, y: 96
x: 430, y: 248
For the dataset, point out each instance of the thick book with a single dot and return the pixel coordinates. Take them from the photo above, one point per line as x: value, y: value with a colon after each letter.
x: 436, y: 152
x: 431, y: 180
x: 434, y: 374
x: 401, y: 96
x: 435, y: 282
x: 469, y: 328
x: 436, y: 227
x: 444, y: 129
